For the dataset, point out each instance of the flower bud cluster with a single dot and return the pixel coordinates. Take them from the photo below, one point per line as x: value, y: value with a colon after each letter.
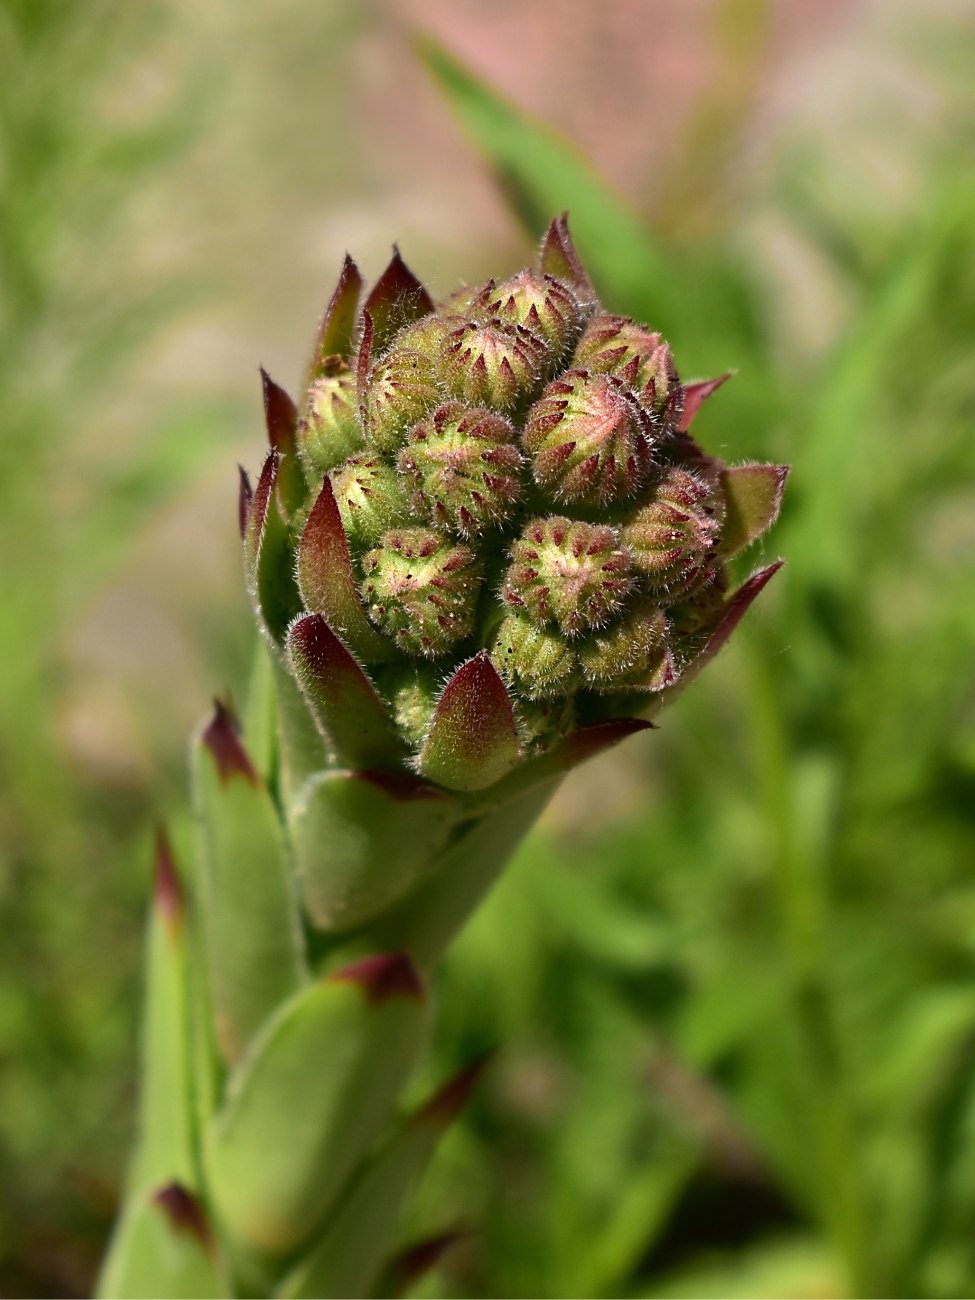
x: 512, y: 475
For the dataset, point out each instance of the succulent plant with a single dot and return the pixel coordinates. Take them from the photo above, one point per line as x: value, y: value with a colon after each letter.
x: 482, y: 548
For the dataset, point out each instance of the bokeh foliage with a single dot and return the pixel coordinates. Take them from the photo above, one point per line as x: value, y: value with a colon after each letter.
x: 736, y: 1025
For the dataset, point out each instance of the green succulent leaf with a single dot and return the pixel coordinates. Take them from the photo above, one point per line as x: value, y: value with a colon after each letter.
x: 351, y: 1251
x: 338, y: 324
x: 164, y: 1246
x: 362, y: 839
x: 473, y: 739
x: 309, y: 1099
x: 341, y: 697
x: 252, y: 937
x: 281, y: 418
x: 397, y: 299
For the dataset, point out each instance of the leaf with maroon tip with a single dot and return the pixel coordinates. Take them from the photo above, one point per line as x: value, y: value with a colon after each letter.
x: 257, y: 506
x: 348, y: 1257
x: 473, y: 739
x: 164, y: 1246
x: 167, y: 892
x: 327, y: 583
x: 583, y: 743
x: 310, y: 1100
x: 341, y: 697
x: 414, y: 1262
x: 281, y: 419
x: 269, y: 555
x: 696, y: 394
x: 363, y: 840
x: 397, y: 299
x: 363, y: 361
x: 336, y: 331
x: 753, y: 498
x: 560, y: 259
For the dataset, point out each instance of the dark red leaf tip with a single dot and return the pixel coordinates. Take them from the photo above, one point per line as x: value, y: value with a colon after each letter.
x: 442, y: 1107
x: 597, y: 736
x: 399, y: 786
x: 167, y: 892
x: 223, y: 742
x: 280, y: 415
x: 695, y: 395
x: 184, y: 1212
x: 399, y: 288
x: 383, y: 976
x: 244, y: 500
x: 411, y: 1264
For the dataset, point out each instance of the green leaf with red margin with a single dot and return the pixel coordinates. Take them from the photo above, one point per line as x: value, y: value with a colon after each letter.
x: 281, y: 420
x: 336, y: 332
x: 473, y: 739
x: 753, y: 498
x: 397, y: 299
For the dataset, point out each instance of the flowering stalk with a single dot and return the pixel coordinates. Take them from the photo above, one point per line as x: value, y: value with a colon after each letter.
x: 482, y: 548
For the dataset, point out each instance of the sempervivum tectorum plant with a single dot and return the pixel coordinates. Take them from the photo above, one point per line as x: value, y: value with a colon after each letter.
x: 482, y: 548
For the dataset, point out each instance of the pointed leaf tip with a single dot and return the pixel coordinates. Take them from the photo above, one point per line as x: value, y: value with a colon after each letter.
x: 342, y: 698
x: 280, y: 415
x: 383, y: 976
x: 737, y: 607
x: 411, y: 1264
x: 258, y: 503
x: 696, y: 394
x: 753, y: 498
x: 397, y: 299
x: 590, y: 740
x: 442, y: 1107
x: 167, y: 892
x: 184, y: 1213
x: 244, y: 499
x: 473, y: 739
x: 338, y: 324
x: 221, y: 739
x: 560, y: 259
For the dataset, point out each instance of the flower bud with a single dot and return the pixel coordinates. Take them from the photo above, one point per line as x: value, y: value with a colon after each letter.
x: 542, y: 723
x: 628, y: 653
x: 540, y: 303
x: 411, y: 691
x: 613, y: 345
x: 672, y: 538
x: 589, y: 439
x: 421, y: 590
x: 536, y: 662
x: 494, y: 365
x: 402, y: 389
x: 463, y: 466
x: 693, y: 620
x: 370, y: 497
x: 329, y: 431
x: 567, y: 572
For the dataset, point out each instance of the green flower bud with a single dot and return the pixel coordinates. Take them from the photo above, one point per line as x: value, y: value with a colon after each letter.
x: 589, y: 439
x: 629, y: 653
x: 402, y: 389
x: 568, y: 572
x: 411, y: 692
x: 672, y: 538
x: 494, y: 365
x: 695, y: 618
x: 370, y: 497
x: 536, y: 662
x: 540, y: 303
x: 613, y: 345
x: 329, y: 431
x: 463, y: 466
x: 542, y: 723
x: 421, y: 590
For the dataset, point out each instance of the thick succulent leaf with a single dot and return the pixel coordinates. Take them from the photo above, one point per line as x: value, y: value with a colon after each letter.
x: 251, y: 931
x: 696, y: 394
x: 302, y: 749
x: 473, y: 739
x: 310, y: 1098
x: 281, y: 419
x: 348, y: 1257
x: 338, y: 324
x: 260, y: 716
x: 164, y: 1247
x: 362, y: 839
x: 540, y: 174
x: 397, y: 299
x: 278, y: 598
x: 328, y: 584
x: 341, y: 697
x: 753, y: 498
x: 253, y: 514
x: 429, y: 918
x: 165, y: 1137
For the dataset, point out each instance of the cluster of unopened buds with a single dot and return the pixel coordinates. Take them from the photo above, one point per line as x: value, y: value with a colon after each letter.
x: 504, y: 479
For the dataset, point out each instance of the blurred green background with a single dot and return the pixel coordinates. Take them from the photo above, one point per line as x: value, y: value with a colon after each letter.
x: 731, y: 977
